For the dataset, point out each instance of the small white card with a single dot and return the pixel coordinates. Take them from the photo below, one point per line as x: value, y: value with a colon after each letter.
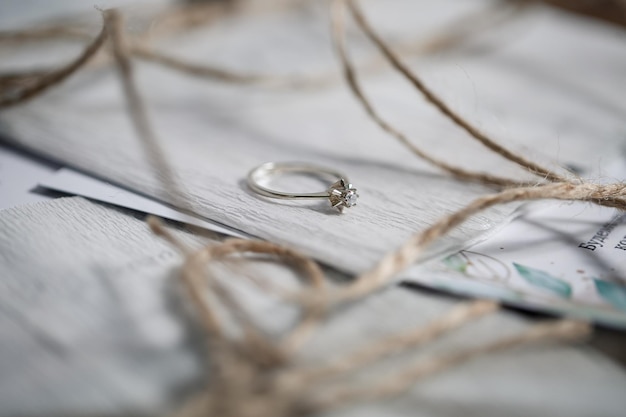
x: 561, y: 257
x: 19, y: 176
x: 72, y: 182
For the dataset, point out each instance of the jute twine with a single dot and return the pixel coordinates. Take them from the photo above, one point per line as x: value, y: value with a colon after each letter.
x: 251, y: 373
x: 451, y: 36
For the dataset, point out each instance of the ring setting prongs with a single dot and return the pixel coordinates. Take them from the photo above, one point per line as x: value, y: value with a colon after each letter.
x: 342, y: 195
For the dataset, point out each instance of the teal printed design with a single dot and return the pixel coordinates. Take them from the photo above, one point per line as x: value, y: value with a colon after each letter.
x: 456, y: 262
x: 614, y: 294
x: 544, y: 280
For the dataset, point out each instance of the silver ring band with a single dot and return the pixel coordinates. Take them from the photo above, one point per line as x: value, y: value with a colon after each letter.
x: 340, y: 193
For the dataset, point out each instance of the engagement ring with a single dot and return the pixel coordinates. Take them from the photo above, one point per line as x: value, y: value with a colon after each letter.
x: 340, y: 193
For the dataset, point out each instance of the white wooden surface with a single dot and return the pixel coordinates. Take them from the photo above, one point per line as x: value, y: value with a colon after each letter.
x: 91, y: 322
x: 524, y: 93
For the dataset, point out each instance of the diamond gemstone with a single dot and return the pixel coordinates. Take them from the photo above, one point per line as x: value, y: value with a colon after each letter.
x: 350, y: 197
x: 342, y: 195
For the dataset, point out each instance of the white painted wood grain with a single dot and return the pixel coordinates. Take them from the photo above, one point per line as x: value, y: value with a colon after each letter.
x: 214, y: 134
x: 93, y: 323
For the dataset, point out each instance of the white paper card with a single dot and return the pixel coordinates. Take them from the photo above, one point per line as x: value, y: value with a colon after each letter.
x: 566, y: 258
x: 19, y: 175
x: 72, y: 182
